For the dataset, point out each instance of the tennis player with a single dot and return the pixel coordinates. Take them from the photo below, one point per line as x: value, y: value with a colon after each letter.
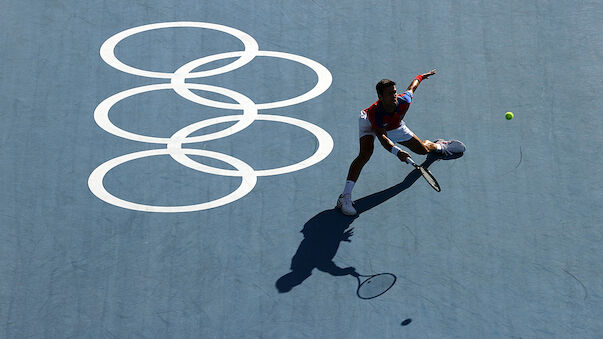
x: 383, y: 120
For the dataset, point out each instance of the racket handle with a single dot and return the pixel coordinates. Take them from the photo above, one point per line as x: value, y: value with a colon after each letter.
x: 410, y: 161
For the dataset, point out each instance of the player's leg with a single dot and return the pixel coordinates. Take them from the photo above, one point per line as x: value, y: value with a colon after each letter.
x: 446, y: 148
x: 344, y: 202
x: 366, y: 150
x: 420, y: 147
x: 367, y: 140
x: 404, y: 136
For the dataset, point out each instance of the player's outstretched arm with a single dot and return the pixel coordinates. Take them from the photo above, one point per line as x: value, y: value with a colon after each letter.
x: 415, y: 82
x: 389, y: 145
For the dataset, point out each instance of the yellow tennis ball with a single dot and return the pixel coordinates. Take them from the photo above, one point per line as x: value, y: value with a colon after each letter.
x: 509, y: 115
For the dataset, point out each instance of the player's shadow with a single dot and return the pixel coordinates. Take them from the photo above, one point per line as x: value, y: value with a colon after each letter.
x: 326, y: 230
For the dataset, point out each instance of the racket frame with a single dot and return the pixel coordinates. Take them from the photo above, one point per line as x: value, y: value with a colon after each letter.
x: 426, y: 174
x: 369, y: 277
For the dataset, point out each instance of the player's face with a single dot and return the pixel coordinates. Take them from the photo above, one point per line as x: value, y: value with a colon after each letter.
x: 389, y: 95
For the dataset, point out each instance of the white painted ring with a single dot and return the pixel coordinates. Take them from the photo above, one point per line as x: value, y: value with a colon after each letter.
x: 95, y: 182
x: 107, y: 50
x: 325, y: 146
x: 324, y: 80
x: 101, y: 113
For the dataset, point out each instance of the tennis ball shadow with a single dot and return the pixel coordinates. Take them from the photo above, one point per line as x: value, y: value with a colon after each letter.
x: 324, y: 232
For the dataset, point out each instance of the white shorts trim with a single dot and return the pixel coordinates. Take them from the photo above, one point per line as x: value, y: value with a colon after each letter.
x: 399, y: 134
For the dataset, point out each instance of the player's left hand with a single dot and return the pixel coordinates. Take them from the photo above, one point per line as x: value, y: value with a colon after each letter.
x: 428, y: 74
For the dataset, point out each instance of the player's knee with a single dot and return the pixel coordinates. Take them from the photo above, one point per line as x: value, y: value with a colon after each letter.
x: 423, y: 149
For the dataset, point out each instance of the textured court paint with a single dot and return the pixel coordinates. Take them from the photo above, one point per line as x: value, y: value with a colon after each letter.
x: 503, y: 251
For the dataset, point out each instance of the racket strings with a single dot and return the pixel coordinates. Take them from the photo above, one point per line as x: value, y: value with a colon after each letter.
x: 430, y: 179
x: 376, y: 285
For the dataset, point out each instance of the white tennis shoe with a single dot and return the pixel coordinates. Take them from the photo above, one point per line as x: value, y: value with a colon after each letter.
x: 451, y: 146
x: 345, y: 204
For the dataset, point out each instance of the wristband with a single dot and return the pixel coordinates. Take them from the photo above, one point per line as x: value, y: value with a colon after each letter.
x: 419, y: 77
x: 395, y: 150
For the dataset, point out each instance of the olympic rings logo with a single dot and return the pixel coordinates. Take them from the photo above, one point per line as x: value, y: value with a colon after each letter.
x: 173, y: 144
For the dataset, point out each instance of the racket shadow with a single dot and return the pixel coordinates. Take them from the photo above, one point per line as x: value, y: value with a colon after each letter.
x: 324, y: 232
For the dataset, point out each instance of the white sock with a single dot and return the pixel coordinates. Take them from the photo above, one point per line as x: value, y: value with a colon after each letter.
x: 349, y: 186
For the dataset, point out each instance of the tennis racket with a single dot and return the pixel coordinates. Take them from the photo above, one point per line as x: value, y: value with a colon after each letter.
x: 374, y: 285
x: 431, y: 180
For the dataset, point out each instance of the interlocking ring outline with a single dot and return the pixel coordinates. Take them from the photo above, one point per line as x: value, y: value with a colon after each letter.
x: 107, y: 50
x: 174, y: 143
x: 96, y: 179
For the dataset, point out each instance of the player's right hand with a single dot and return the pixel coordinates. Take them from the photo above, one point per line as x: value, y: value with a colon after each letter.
x: 402, y: 155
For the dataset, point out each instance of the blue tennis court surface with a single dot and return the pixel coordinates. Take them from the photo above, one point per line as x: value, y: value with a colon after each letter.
x: 170, y: 170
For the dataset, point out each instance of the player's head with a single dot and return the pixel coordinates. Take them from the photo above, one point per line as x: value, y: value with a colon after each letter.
x: 386, y: 91
x: 383, y: 84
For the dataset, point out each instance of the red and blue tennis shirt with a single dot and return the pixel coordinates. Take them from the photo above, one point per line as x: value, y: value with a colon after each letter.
x: 379, y: 118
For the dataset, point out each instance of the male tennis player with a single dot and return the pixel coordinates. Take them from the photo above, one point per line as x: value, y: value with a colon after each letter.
x: 383, y: 119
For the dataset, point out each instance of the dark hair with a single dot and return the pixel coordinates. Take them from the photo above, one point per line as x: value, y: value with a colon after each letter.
x: 383, y: 84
